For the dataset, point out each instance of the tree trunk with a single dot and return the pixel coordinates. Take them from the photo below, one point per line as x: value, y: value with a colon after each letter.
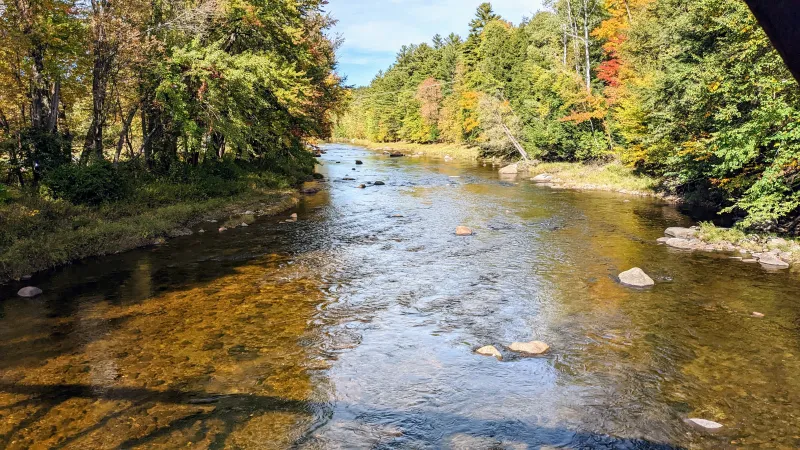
x: 103, y: 58
x: 588, y: 68
x: 123, y: 134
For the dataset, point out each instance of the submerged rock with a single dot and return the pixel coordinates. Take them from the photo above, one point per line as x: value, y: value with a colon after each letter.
x: 704, y: 424
x: 359, y: 162
x: 530, y: 348
x: 463, y: 231
x: 489, y: 350
x: 310, y: 191
x: 681, y: 233
x: 379, y: 183
x: 29, y: 292
x: 636, y: 278
x: 512, y: 169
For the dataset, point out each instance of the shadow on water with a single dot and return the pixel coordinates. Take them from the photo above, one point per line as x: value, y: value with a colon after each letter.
x: 235, y: 409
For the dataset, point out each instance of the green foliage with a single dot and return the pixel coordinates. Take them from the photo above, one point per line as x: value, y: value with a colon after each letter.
x: 4, y: 194
x: 86, y: 185
x: 689, y: 92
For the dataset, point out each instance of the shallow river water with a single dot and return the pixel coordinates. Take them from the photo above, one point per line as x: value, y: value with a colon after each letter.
x: 353, y: 328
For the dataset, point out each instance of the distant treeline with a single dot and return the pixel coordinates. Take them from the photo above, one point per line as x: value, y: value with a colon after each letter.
x: 158, y: 85
x: 688, y: 90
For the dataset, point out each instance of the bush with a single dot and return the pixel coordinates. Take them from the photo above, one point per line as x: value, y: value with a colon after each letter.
x: 3, y: 194
x: 87, y: 185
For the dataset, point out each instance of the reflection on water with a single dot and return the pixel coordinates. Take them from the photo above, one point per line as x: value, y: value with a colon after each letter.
x: 354, y: 328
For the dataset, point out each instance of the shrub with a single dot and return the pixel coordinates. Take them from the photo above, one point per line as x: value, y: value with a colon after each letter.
x: 3, y: 194
x: 87, y: 185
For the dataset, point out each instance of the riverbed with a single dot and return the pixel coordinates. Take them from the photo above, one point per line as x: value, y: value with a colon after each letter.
x: 356, y: 325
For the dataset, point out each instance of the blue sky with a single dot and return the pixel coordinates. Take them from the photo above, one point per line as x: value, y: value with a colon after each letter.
x: 374, y: 30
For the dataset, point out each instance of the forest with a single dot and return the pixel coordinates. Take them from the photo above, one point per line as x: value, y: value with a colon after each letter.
x: 689, y: 91
x: 160, y: 87
x: 111, y: 111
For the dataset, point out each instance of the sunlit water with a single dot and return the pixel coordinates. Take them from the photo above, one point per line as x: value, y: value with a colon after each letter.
x: 352, y: 328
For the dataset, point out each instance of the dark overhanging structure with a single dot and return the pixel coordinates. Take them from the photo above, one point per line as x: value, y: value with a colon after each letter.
x: 781, y: 20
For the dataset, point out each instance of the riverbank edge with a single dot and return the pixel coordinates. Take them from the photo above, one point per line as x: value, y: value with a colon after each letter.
x: 152, y: 227
x: 454, y: 151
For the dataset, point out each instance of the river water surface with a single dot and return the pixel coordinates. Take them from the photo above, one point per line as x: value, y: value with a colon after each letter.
x: 356, y: 328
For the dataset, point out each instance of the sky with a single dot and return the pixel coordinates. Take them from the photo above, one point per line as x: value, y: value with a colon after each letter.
x: 374, y: 30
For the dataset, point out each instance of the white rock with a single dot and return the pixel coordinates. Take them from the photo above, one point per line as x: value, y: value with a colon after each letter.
x: 636, y: 277
x: 489, y: 350
x: 29, y: 291
x: 704, y: 424
x: 758, y: 315
x: 244, y: 225
x: 663, y: 240
x: 530, y: 348
x: 542, y: 178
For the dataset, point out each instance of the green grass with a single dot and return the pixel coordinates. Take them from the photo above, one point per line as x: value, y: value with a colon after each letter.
x: 753, y: 242
x: 37, y: 233
x: 609, y: 176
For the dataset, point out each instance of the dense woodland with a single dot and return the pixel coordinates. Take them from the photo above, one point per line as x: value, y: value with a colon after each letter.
x: 98, y: 97
x: 690, y: 91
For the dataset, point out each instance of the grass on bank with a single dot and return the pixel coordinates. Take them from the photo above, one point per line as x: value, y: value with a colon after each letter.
x: 455, y: 151
x: 752, y: 242
x: 39, y: 232
x: 609, y: 176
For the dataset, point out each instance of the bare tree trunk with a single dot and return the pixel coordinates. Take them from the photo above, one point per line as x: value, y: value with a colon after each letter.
x: 123, y: 134
x: 585, y: 4
x: 628, y: 9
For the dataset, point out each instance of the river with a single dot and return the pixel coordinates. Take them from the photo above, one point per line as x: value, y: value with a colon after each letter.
x: 355, y: 327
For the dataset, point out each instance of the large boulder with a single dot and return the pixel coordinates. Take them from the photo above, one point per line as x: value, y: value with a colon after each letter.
x: 530, y: 348
x: 511, y: 169
x: 29, y: 292
x: 681, y: 233
x: 636, y: 278
x: 489, y: 350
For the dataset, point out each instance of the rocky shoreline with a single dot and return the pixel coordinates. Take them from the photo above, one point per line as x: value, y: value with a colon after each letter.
x: 773, y: 253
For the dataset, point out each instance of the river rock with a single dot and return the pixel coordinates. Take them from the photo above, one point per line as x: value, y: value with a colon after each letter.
x: 463, y: 231
x: 310, y: 190
x: 530, y: 348
x: 221, y: 229
x: 489, y: 350
x: 681, y: 233
x: 26, y: 277
x: 512, y: 169
x: 293, y: 216
x: 362, y: 186
x: 348, y: 179
x: 396, y: 155
x: 663, y: 240
x: 769, y: 259
x: 201, y: 231
x: 244, y: 224
x: 359, y: 162
x: 757, y: 315
x: 704, y: 424
x: 379, y: 183
x: 29, y: 292
x: 542, y: 178
x: 636, y: 277
x: 683, y: 244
